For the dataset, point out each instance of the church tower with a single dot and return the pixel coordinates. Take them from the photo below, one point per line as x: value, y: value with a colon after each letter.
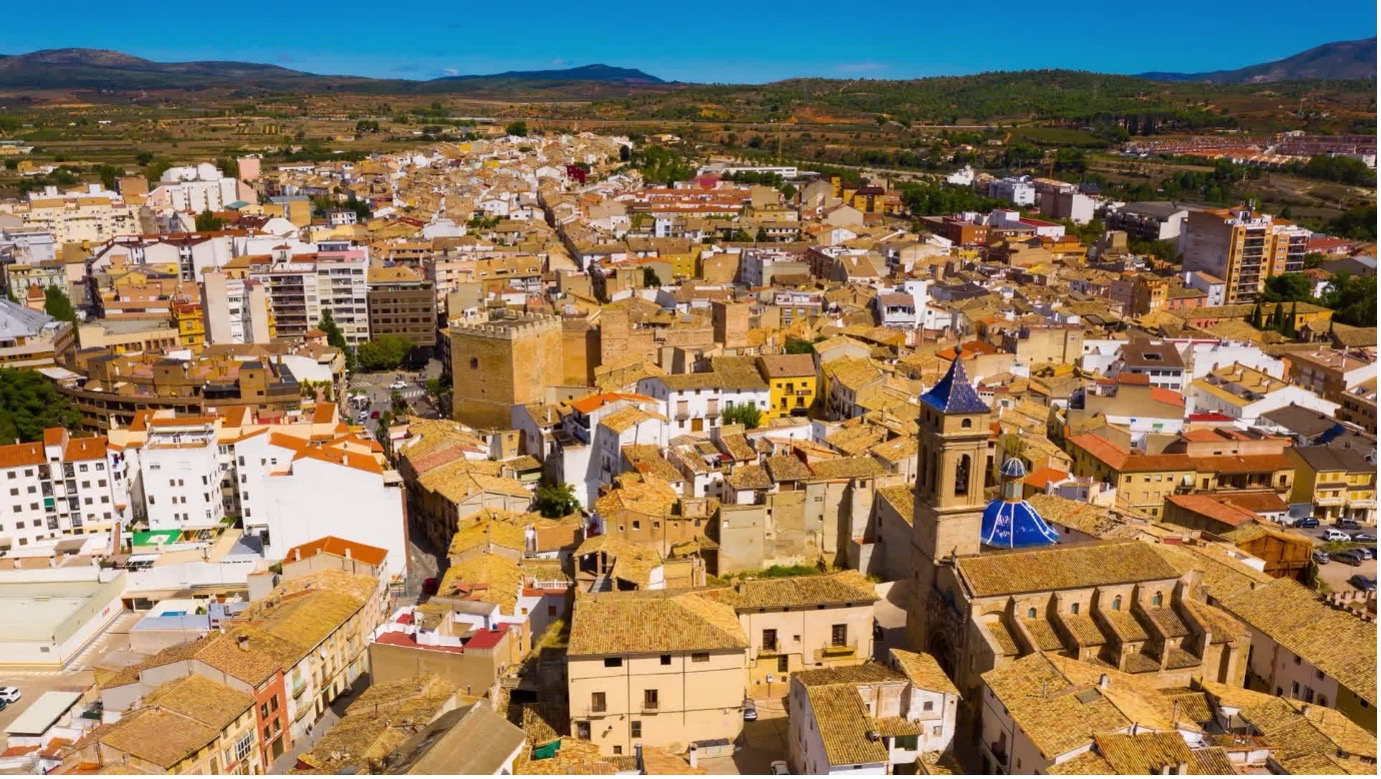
x: 950, y: 477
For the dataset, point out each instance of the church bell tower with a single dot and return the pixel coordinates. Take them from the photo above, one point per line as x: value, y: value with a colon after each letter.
x: 950, y: 477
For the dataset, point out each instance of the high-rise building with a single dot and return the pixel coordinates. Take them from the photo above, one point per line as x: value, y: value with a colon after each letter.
x: 402, y: 303
x: 301, y: 287
x: 235, y: 311
x: 1242, y: 247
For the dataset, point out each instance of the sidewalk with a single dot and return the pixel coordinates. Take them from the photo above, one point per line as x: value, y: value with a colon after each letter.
x: 328, y: 720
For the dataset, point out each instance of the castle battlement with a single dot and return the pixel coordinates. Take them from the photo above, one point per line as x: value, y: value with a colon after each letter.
x: 508, y: 329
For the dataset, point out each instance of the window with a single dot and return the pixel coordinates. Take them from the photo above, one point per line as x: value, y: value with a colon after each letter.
x: 1117, y: 603
x: 613, y: 662
x: 597, y: 702
x: 1030, y: 613
x: 650, y: 699
x: 928, y: 706
x: 905, y: 742
x: 264, y: 710
x: 243, y: 746
x: 1156, y: 599
x: 961, y: 474
x: 273, y: 703
x: 636, y: 729
x: 1073, y: 608
x: 700, y: 657
x: 618, y: 750
x: 839, y: 635
x: 769, y: 640
x: 666, y: 659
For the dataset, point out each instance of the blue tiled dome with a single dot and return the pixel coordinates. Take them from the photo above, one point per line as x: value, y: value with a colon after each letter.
x: 1015, y: 524
x: 1014, y: 469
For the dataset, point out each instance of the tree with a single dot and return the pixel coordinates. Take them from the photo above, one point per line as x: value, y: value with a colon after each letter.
x: 518, y: 128
x: 1278, y: 319
x: 743, y: 414
x: 762, y: 236
x: 384, y: 353
x: 650, y: 278
x: 1289, y: 329
x: 1353, y: 299
x: 208, y: 222
x: 557, y: 501
x: 58, y: 306
x: 108, y: 174
x: 29, y: 404
x: 143, y: 158
x: 1257, y: 321
x: 327, y: 324
x: 799, y: 347
x: 1288, y: 287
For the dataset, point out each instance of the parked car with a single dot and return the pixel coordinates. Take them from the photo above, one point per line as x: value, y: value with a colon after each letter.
x: 780, y: 768
x: 3, y: 705
x: 398, y: 385
x: 1363, y: 538
x: 1363, y: 583
x: 1335, y: 535
x: 10, y: 694
x: 373, y: 415
x: 1367, y: 552
x: 750, y: 710
x: 1347, y: 524
x: 1321, y: 557
x: 1307, y: 522
x: 1349, y: 557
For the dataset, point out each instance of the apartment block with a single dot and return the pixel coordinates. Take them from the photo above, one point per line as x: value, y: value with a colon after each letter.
x: 235, y: 311
x: 302, y: 287
x: 59, y: 486
x: 402, y: 303
x: 1242, y: 247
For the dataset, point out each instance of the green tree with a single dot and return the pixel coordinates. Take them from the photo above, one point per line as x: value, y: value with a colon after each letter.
x: 650, y: 278
x: 1257, y: 320
x: 1287, y: 287
x: 143, y: 158
x: 108, y: 174
x: 799, y: 347
x: 743, y: 414
x: 29, y: 404
x: 1278, y: 318
x: 208, y: 222
x: 58, y: 305
x: 762, y: 236
x: 1353, y: 299
x: 557, y: 501
x: 518, y: 128
x: 1289, y: 329
x: 384, y: 353
x: 327, y: 324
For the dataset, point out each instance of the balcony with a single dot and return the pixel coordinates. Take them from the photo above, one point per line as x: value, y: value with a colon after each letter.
x: 650, y: 707
x: 837, y: 651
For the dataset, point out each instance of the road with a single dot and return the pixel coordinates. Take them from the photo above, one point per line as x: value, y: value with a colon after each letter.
x: 763, y: 741
x: 377, y: 388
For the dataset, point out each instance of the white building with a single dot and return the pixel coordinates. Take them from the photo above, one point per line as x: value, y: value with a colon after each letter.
x: 59, y: 486
x: 180, y: 474
x: 92, y: 214
x: 1212, y: 286
x: 301, y: 287
x: 236, y: 311
x: 913, y: 697
x: 1205, y: 357
x: 1017, y: 190
x: 695, y: 402
x: 1244, y: 394
x: 195, y: 189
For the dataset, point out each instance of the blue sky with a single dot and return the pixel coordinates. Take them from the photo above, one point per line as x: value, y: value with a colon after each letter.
x: 706, y: 42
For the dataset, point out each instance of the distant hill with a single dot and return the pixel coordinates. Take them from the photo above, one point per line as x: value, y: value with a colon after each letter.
x: 1332, y: 61
x: 112, y: 70
x: 583, y: 73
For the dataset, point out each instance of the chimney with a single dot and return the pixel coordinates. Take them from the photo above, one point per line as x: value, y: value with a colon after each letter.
x: 1102, y: 681
x: 243, y: 641
x: 692, y: 757
x: 348, y: 554
x: 638, y: 756
x: 297, y: 554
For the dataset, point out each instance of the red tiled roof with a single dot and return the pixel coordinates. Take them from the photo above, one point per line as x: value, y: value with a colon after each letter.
x: 1213, y: 508
x: 370, y: 555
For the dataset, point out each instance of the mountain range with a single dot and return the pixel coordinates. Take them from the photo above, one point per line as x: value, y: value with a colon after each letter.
x: 1331, y: 61
x: 98, y: 69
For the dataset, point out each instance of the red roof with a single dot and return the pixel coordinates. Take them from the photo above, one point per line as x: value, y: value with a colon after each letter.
x: 1211, y: 416
x: 396, y: 638
x: 485, y: 639
x: 337, y: 547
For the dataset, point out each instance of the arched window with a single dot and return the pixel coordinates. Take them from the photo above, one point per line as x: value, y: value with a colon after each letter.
x: 961, y: 474
x: 934, y: 472
x: 1030, y: 613
x: 1117, y: 603
x: 1156, y: 599
x: 966, y: 423
x: 1073, y: 608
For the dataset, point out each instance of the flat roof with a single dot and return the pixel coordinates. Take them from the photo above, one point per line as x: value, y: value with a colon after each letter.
x: 42, y: 713
x: 33, y: 611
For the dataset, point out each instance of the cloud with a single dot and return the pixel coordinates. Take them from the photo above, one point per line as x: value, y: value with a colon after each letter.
x: 450, y: 72
x: 558, y: 62
x: 860, y: 67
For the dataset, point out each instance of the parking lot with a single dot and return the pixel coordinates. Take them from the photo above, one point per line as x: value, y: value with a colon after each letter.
x: 762, y: 742
x: 1335, y: 574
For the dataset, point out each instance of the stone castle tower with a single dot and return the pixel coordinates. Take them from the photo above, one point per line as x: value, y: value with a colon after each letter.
x: 503, y: 363
x: 950, y: 477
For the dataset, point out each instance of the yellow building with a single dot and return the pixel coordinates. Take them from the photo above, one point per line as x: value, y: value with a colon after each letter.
x: 656, y: 668
x: 791, y: 382
x: 1242, y: 247
x: 193, y: 725
x: 190, y: 323
x: 1339, y: 482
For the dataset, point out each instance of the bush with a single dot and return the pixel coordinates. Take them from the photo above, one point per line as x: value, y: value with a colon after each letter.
x: 746, y: 415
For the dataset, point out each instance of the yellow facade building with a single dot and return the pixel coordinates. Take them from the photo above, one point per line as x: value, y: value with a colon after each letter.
x: 1339, y: 482
x: 791, y: 382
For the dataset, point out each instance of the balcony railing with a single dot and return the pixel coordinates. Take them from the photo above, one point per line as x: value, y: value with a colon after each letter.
x: 835, y: 651
x: 650, y: 706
